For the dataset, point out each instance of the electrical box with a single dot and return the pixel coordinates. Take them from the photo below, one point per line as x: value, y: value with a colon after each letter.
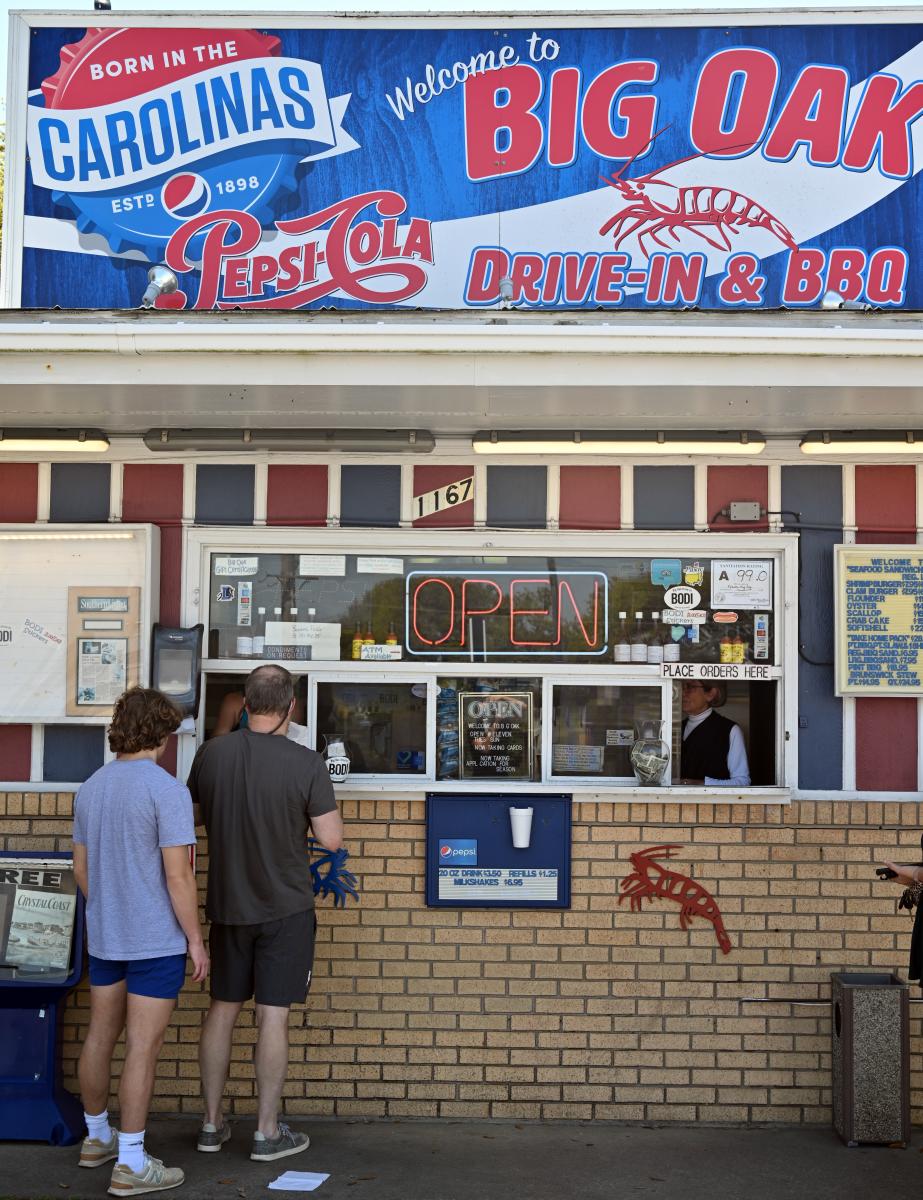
x: 745, y: 510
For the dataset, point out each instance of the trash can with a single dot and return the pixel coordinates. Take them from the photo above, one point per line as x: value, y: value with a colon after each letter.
x: 871, y: 1067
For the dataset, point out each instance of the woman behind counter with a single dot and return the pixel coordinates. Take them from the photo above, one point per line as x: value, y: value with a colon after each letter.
x: 713, y: 750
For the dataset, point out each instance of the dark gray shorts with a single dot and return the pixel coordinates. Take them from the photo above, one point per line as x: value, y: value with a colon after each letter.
x: 271, y: 962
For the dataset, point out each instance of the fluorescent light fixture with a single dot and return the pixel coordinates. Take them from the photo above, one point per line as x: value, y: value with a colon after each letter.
x: 53, y: 441
x: 629, y: 444
x: 287, y: 441
x: 49, y: 536
x: 863, y: 441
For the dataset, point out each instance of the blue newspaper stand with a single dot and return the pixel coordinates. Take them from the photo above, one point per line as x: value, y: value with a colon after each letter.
x: 34, y: 1104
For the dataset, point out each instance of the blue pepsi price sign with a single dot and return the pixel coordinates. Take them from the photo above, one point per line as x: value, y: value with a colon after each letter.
x: 353, y: 167
x: 473, y: 861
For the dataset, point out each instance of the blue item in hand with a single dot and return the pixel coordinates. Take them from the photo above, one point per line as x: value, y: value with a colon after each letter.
x: 337, y: 881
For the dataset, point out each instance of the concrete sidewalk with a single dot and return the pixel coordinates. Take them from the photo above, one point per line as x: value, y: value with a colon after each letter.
x: 422, y: 1160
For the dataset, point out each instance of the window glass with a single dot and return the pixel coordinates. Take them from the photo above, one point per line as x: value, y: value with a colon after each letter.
x: 593, y: 611
x: 753, y: 707
x: 593, y: 727
x: 489, y: 728
x: 382, y: 724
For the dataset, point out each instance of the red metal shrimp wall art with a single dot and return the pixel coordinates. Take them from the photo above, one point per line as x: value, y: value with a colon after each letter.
x: 650, y: 880
x: 657, y: 207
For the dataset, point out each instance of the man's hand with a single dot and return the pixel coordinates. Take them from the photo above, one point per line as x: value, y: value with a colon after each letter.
x: 200, y: 963
x: 903, y: 872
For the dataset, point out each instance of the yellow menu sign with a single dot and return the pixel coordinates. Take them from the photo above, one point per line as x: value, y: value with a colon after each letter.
x: 879, y: 620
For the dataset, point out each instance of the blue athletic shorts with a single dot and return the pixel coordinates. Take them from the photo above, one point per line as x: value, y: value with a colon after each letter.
x: 161, y: 978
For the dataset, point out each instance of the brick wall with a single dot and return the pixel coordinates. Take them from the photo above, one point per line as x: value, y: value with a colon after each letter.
x: 595, y: 1012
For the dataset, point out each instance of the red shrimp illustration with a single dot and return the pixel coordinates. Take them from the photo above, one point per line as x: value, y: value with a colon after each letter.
x: 650, y: 880
x: 657, y: 207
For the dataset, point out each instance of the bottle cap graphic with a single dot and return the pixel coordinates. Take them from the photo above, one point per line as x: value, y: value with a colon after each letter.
x: 163, y: 124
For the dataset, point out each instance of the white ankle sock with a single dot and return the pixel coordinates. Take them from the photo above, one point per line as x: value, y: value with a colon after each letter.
x: 131, y: 1150
x: 98, y: 1127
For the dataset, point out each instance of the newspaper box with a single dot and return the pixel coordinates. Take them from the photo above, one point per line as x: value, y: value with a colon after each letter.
x: 41, y: 960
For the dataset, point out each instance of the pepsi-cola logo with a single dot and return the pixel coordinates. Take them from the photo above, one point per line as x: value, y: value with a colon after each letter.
x: 445, y: 851
x: 186, y: 195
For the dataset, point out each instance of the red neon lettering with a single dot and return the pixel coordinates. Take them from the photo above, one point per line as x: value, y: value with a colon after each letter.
x: 485, y: 118
x: 708, y: 131
x: 517, y: 612
x: 563, y: 586
x: 813, y: 115
x: 414, y: 609
x: 467, y: 612
x: 882, y: 126
x: 637, y: 112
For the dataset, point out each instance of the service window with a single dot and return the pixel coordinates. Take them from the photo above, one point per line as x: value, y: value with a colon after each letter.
x: 593, y: 727
x: 520, y: 659
x: 489, y: 728
x: 382, y: 723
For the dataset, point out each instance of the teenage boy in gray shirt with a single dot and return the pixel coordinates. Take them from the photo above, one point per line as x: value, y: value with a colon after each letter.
x: 133, y: 827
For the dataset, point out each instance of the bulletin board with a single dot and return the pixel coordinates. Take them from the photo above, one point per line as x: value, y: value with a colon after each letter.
x: 63, y: 591
x: 471, y: 861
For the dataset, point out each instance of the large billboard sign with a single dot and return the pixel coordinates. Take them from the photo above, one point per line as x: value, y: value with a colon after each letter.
x: 356, y: 165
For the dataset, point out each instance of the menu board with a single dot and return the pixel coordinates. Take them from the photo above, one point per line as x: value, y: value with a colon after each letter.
x: 496, y: 735
x: 879, y: 621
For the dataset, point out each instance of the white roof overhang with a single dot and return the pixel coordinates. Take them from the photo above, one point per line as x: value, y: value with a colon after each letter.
x: 780, y: 373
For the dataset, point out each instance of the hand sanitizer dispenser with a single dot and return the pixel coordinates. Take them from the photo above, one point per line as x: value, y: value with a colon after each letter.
x: 176, y: 667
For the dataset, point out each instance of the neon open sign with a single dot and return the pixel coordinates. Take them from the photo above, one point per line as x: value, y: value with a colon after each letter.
x: 507, y: 614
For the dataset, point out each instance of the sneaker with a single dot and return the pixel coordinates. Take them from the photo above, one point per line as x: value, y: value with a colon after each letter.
x: 286, y: 1142
x: 154, y: 1178
x: 93, y: 1152
x: 211, y: 1139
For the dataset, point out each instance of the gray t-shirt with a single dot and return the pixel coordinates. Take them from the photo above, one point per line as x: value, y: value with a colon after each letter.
x: 125, y: 814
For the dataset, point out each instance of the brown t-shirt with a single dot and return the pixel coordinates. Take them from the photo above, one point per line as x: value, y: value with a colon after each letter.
x: 257, y: 793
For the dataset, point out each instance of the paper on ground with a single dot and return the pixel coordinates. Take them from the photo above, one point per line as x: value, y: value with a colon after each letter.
x: 298, y: 1181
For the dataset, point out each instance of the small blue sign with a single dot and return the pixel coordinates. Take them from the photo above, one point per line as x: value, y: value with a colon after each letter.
x: 458, y: 850
x: 489, y: 871
x: 665, y: 572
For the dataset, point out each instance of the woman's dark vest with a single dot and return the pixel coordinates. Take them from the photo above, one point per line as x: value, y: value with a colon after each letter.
x: 705, y: 750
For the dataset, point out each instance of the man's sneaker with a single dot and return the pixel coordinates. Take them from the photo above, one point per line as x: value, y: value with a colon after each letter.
x: 155, y: 1177
x: 284, y: 1143
x: 93, y: 1152
x: 212, y: 1139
